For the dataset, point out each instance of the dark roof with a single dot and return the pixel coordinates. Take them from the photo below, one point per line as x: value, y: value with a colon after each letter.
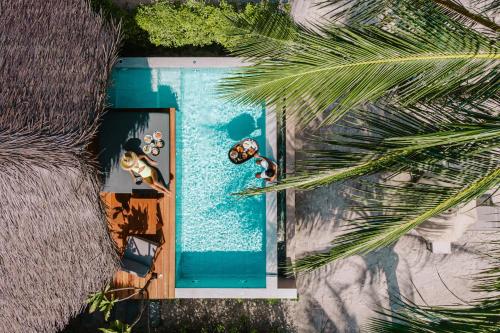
x: 55, y: 58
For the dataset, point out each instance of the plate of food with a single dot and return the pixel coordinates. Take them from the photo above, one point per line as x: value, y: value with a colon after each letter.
x: 157, y: 135
x: 160, y: 143
x: 146, y: 149
x: 243, y: 151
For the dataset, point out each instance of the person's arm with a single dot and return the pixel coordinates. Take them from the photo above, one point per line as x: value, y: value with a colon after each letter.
x: 132, y: 175
x: 268, y: 160
x: 149, y: 160
x: 273, y: 178
x: 274, y: 167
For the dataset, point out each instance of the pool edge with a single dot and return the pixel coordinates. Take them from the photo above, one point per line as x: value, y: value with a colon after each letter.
x: 271, y: 290
x: 184, y: 62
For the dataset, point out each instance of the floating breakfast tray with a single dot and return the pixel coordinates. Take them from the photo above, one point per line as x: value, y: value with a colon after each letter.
x: 243, y: 151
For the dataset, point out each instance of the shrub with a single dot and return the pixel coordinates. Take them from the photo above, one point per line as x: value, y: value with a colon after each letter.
x: 191, y: 23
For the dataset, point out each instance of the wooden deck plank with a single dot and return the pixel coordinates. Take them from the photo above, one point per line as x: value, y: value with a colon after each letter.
x: 119, y: 233
x: 154, y: 217
x: 171, y: 208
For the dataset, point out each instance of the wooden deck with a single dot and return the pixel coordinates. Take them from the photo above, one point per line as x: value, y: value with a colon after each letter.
x: 152, y: 217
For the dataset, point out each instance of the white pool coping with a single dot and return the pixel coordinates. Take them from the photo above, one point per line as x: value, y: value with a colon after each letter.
x: 271, y: 290
x: 176, y: 62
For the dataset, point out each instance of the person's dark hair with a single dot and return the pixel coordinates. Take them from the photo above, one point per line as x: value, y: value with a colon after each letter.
x: 270, y: 173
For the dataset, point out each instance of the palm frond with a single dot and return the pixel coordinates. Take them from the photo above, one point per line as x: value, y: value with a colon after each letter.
x: 342, y: 68
x: 268, y: 33
x: 386, y: 141
x: 480, y: 315
x: 385, y: 12
x: 489, y: 132
x: 481, y: 318
x: 457, y: 11
x: 456, y: 148
x: 308, y: 181
x: 356, y: 11
x: 398, y: 213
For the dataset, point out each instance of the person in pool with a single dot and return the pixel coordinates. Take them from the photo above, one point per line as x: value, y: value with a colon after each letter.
x: 270, y: 168
x: 142, y: 166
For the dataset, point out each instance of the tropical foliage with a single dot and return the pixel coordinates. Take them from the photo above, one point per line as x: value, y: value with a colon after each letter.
x: 346, y: 67
x: 412, y: 91
x: 100, y: 301
x: 191, y: 23
x: 117, y: 327
x: 481, y: 316
x: 453, y: 154
x: 104, y: 301
x: 370, y: 11
x: 417, y: 93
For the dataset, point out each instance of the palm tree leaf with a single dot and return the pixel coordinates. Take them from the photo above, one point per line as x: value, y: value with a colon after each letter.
x: 457, y: 11
x: 266, y: 33
x: 384, y: 12
x: 311, y: 181
x: 413, y: 318
x: 355, y: 11
x: 464, y: 134
x: 461, y: 134
x: 374, y: 232
x: 355, y: 65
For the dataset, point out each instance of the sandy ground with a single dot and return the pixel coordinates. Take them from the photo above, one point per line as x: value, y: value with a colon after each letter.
x: 342, y: 296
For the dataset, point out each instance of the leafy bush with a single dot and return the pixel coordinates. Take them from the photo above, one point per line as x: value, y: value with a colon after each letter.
x: 191, y: 23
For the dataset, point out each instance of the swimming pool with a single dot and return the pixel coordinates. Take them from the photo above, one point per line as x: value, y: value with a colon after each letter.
x: 220, y: 238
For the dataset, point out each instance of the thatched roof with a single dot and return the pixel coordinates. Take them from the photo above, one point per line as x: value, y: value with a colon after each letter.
x: 55, y: 57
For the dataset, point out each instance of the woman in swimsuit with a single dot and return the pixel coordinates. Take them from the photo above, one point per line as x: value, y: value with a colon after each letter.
x: 270, y: 168
x: 135, y: 164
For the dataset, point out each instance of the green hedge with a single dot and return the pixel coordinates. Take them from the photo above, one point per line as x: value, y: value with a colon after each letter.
x: 191, y: 23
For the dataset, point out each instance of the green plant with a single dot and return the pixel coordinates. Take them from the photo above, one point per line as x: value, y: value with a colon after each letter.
x: 192, y: 23
x: 220, y: 328
x: 100, y: 301
x: 369, y: 10
x: 448, y: 166
x: 416, y: 88
x: 117, y: 327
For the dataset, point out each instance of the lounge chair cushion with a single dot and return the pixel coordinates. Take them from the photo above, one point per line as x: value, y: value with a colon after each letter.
x: 138, y: 256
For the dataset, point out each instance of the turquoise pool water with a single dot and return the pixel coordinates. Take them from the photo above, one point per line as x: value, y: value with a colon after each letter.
x: 220, y: 238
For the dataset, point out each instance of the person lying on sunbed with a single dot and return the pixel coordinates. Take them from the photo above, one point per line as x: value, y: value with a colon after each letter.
x: 142, y: 165
x: 270, y: 168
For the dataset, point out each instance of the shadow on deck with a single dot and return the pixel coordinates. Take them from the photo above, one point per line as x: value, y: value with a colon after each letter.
x: 147, y: 217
